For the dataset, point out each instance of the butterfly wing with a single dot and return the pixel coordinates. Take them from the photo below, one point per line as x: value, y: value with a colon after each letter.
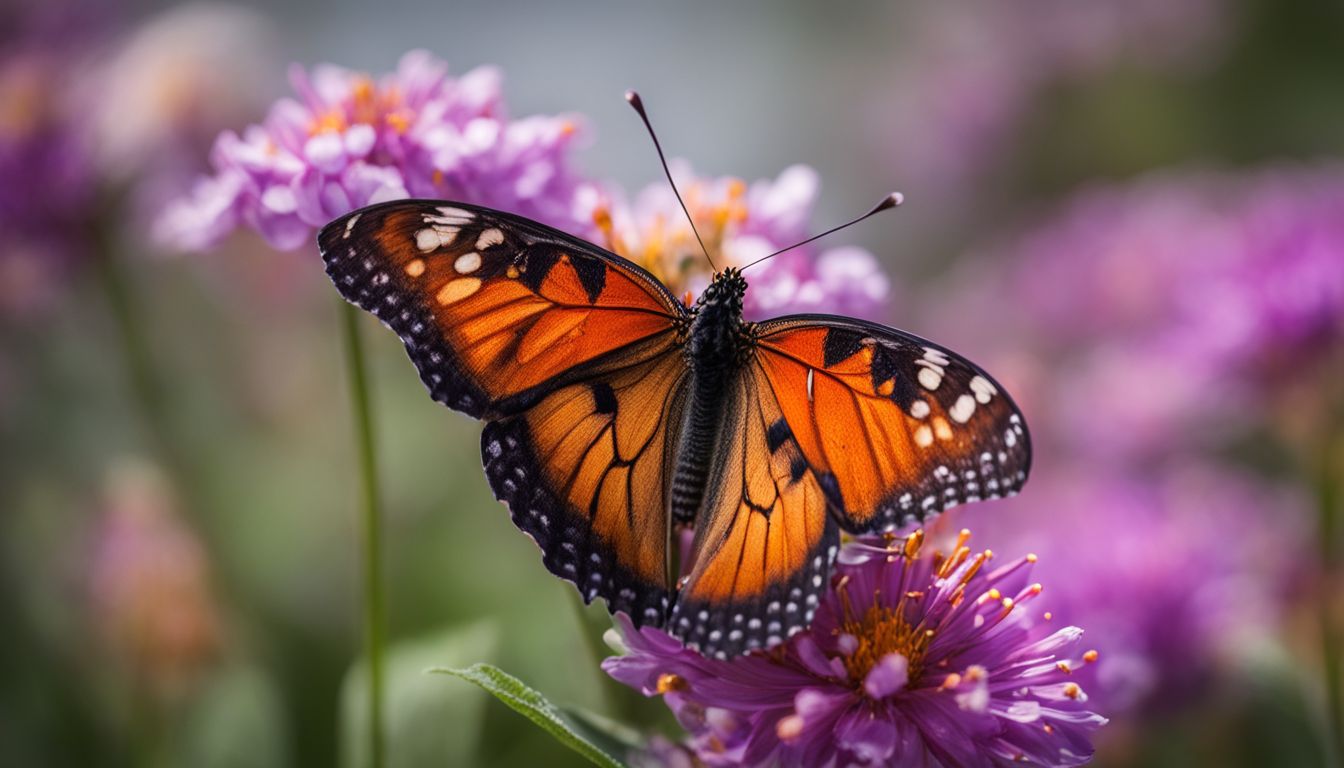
x: 763, y: 543
x: 571, y: 353
x: 894, y: 427
x: 495, y: 310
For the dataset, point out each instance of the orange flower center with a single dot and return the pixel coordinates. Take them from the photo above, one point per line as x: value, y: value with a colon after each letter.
x: 882, y: 631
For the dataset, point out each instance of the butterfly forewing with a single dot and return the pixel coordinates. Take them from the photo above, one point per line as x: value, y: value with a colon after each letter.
x: 494, y: 310
x: 895, y: 428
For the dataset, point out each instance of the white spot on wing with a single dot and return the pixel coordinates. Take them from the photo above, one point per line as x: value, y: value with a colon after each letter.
x: 467, y: 263
x: 962, y: 410
x: 930, y: 378
x: 350, y: 225
x: 919, y: 409
x: 488, y: 238
x: 983, y: 389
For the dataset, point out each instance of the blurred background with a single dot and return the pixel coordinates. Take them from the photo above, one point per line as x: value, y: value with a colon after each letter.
x: 1131, y: 212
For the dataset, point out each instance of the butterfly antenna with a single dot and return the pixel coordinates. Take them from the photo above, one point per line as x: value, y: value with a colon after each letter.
x: 890, y: 201
x: 638, y: 104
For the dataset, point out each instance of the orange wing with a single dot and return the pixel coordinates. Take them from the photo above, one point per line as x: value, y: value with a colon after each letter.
x: 571, y: 353
x: 495, y: 310
x: 894, y: 427
x: 764, y: 542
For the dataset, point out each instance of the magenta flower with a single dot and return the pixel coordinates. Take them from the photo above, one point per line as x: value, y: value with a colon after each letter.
x: 740, y: 223
x: 349, y: 141
x: 47, y: 172
x: 913, y: 658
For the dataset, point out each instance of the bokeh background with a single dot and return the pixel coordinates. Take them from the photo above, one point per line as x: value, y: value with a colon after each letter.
x: 1131, y: 212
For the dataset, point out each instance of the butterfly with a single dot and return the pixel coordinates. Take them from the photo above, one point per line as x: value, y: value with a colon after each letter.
x: 617, y: 416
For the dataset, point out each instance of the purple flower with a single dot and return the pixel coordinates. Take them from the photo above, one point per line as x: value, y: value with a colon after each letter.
x: 1180, y: 574
x: 349, y: 141
x: 740, y: 223
x: 1165, y: 310
x: 914, y: 657
x: 46, y: 168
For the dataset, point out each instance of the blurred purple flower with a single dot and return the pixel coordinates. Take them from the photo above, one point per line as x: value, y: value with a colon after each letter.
x: 149, y: 583
x: 740, y: 223
x: 1162, y: 313
x: 46, y: 168
x: 913, y: 658
x: 1178, y: 575
x: 349, y: 141
x: 163, y: 92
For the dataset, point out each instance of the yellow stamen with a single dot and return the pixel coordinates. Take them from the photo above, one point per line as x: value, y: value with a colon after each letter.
x: 913, y: 543
x: 670, y: 682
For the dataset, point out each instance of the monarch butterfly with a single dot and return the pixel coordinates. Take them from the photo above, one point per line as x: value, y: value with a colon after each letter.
x: 617, y: 416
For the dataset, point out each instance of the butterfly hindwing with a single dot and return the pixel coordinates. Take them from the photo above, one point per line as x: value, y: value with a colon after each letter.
x: 494, y: 310
x: 895, y: 428
x: 764, y: 542
x: 585, y: 472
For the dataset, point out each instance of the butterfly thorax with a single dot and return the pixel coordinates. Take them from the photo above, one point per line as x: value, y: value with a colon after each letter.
x: 715, y: 347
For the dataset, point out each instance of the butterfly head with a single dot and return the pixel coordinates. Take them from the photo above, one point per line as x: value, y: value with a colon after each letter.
x: 725, y: 291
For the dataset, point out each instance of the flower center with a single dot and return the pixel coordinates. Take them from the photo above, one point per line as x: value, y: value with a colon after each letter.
x: 879, y: 632
x: 667, y: 246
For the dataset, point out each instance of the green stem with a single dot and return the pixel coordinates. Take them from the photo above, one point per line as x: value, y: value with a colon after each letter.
x: 1328, y: 495
x: 135, y: 349
x: 372, y: 528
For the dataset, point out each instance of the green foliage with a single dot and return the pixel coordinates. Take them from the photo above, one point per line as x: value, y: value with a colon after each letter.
x: 591, y: 736
x: 426, y: 724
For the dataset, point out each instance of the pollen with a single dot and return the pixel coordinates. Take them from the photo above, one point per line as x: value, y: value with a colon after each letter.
x: 879, y: 632
x: 399, y: 121
x: 670, y: 682
x: 913, y: 543
x: 332, y: 121
x: 1073, y: 691
x: 789, y: 728
x: 1091, y: 656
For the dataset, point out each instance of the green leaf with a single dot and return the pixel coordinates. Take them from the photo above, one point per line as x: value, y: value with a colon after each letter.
x: 426, y: 723
x: 574, y: 732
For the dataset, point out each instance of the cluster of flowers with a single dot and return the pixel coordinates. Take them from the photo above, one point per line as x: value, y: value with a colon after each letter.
x: 350, y: 140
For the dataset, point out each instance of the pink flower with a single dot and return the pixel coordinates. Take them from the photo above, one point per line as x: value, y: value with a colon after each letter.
x: 914, y: 658
x: 348, y: 141
x: 741, y: 223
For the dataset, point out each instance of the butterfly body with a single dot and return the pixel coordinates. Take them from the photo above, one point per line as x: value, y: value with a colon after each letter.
x: 616, y: 416
x: 714, y: 349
